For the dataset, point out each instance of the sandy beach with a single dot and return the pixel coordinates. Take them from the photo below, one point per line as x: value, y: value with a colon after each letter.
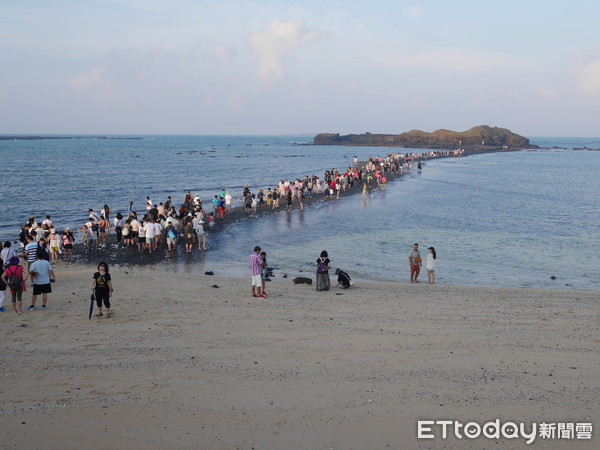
x: 182, y: 364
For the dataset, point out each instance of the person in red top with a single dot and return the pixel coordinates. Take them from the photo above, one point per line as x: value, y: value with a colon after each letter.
x: 15, y: 269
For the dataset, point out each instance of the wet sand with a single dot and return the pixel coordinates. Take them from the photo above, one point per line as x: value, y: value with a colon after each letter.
x: 182, y: 364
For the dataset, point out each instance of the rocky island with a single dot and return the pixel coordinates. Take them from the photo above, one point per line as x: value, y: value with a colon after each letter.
x: 480, y: 138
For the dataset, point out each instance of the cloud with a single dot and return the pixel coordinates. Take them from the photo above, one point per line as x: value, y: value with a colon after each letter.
x: 95, y: 88
x: 274, y: 43
x: 222, y: 54
x: 414, y: 12
x: 457, y: 60
x: 589, y: 78
x: 546, y: 93
x: 88, y: 80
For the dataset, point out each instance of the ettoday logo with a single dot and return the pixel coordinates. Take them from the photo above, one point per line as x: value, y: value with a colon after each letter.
x: 432, y: 429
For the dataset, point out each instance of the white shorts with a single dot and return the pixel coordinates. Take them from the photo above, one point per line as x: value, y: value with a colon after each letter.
x: 256, y: 280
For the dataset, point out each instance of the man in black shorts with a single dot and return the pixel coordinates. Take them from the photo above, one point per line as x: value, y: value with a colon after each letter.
x: 42, y: 276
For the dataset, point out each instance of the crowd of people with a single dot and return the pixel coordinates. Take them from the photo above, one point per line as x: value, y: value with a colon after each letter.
x: 162, y: 225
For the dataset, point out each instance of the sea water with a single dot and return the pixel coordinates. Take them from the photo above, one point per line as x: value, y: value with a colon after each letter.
x: 510, y: 219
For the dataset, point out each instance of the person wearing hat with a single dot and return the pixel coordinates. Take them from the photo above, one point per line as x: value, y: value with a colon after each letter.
x: 200, y: 233
x: 430, y: 265
x: 343, y: 279
x: 15, y: 271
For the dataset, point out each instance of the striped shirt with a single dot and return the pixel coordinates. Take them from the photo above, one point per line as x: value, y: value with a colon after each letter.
x: 31, y: 250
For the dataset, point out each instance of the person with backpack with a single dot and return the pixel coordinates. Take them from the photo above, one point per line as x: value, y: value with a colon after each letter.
x: 343, y: 279
x: 13, y: 278
x: 171, y: 233
x: 323, y: 265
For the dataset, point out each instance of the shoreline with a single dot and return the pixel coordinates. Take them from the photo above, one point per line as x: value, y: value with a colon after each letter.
x: 122, y: 255
x: 200, y: 261
x: 237, y: 214
x: 183, y: 364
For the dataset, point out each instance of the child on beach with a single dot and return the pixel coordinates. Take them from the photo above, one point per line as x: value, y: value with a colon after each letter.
x: 430, y: 265
x: 102, y: 288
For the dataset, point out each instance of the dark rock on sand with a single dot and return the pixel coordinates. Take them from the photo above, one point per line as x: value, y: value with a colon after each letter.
x: 209, y: 272
x: 302, y: 280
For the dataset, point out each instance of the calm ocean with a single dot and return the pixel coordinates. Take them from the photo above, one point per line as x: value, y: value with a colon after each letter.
x: 502, y: 219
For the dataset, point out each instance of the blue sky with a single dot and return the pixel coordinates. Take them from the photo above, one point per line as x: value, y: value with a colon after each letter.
x: 287, y: 67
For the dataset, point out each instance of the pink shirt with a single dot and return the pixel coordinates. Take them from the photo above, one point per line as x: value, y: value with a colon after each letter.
x: 255, y: 263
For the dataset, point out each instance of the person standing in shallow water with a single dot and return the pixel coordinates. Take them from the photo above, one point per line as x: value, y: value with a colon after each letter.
x: 415, y: 261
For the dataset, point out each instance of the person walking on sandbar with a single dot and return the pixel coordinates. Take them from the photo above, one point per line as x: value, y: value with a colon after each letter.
x: 415, y: 261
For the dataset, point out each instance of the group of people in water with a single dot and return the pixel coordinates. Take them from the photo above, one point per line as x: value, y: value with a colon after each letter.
x: 162, y: 225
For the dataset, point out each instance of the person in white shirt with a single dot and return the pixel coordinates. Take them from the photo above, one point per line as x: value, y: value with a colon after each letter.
x: 54, y: 246
x: 430, y: 265
x: 118, y: 222
x: 7, y: 253
x: 201, y: 234
x: 159, y: 231
x: 142, y: 235
x: 47, y: 221
x: 150, y: 231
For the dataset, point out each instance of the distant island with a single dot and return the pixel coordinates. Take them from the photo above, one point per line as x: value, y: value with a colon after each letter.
x: 480, y: 138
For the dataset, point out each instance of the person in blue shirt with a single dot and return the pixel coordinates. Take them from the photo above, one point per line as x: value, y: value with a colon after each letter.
x: 42, y: 276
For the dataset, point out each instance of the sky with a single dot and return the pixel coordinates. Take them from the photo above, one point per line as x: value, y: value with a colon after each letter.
x: 293, y: 67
